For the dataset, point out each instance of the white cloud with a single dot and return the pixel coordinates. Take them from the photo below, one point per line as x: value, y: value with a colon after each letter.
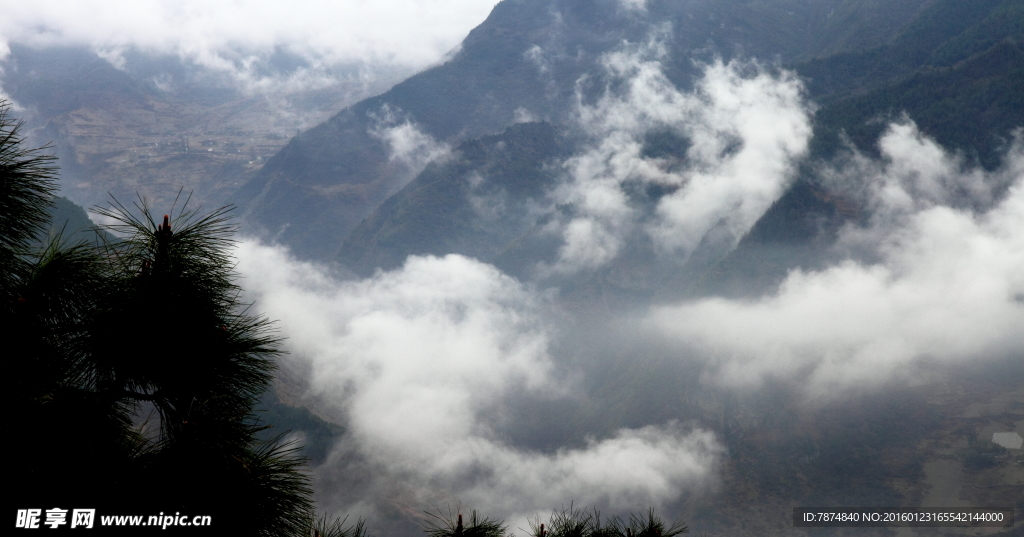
x: 733, y: 186
x: 414, y: 361
x: 522, y: 115
x: 639, y: 5
x: 536, y: 55
x: 947, y: 286
x: 409, y: 148
x: 746, y: 126
x: 231, y: 36
x: 633, y: 469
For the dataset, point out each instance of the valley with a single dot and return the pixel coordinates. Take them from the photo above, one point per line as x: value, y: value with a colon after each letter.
x: 721, y: 257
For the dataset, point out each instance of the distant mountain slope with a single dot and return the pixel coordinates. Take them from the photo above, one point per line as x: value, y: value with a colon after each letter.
x: 971, y: 105
x: 155, y: 123
x: 922, y: 42
x: 71, y: 223
x: 525, y: 61
x: 39, y: 79
x: 473, y: 203
x: 955, y: 70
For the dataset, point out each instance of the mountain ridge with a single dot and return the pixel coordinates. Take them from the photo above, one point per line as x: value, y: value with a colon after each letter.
x: 969, y: 105
x: 465, y: 97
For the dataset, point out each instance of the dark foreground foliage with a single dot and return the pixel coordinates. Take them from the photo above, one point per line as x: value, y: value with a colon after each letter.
x: 134, y: 372
x: 450, y: 524
x: 576, y: 522
x: 567, y: 522
x: 325, y: 526
x: 134, y: 368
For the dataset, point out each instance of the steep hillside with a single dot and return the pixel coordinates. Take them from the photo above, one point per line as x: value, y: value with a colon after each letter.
x: 971, y: 105
x: 71, y: 224
x: 525, y: 61
x: 482, y: 197
x: 943, y: 33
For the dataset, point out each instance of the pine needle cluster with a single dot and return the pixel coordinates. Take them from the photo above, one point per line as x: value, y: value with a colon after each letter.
x: 325, y: 526
x: 149, y: 325
x: 576, y: 522
x: 451, y: 524
x: 567, y: 522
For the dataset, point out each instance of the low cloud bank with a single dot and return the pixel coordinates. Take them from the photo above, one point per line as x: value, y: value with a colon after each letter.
x: 935, y: 276
x: 417, y: 364
x: 422, y: 363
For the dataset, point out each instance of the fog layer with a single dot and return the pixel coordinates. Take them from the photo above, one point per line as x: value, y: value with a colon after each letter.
x: 241, y: 38
x: 424, y: 364
x: 935, y: 275
x: 417, y: 364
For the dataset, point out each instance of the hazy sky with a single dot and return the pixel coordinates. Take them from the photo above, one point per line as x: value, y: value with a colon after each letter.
x: 406, y: 33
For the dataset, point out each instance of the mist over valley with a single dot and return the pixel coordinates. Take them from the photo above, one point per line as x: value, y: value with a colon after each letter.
x: 722, y: 258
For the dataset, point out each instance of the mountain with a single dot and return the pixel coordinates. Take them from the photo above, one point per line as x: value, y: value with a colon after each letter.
x: 70, y: 221
x: 501, y: 119
x: 526, y: 59
x: 335, y: 191
x: 956, y: 70
x: 485, y: 192
x: 478, y: 156
x: 155, y: 124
